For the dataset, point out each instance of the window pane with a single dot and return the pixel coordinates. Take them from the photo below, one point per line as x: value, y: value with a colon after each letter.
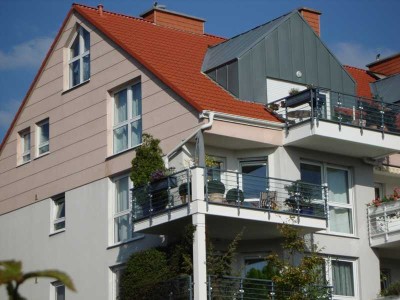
x: 86, y: 67
x: 44, y: 133
x: 27, y: 142
x: 136, y: 132
x: 255, y: 263
x: 310, y: 173
x: 60, y: 209
x: 338, y: 186
x: 75, y: 73
x: 60, y: 292
x: 340, y: 220
x: 44, y: 149
x: 86, y: 39
x: 342, y: 276
x: 121, y: 228
x: 254, y: 180
x: 120, y: 139
x: 59, y: 225
x: 75, y: 47
x: 122, y: 194
x: 136, y: 100
x: 121, y: 107
x: 26, y: 158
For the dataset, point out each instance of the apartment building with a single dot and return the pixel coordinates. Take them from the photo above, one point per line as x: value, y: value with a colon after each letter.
x: 272, y: 107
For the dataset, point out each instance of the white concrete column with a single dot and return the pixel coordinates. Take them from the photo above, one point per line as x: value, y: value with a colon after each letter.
x: 198, y: 184
x: 199, y: 257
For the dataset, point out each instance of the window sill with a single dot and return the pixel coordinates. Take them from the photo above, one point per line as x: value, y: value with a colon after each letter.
x: 125, y: 242
x: 337, y: 234
x: 57, y: 232
x: 122, y: 152
x: 75, y: 87
x: 41, y: 155
x: 24, y: 163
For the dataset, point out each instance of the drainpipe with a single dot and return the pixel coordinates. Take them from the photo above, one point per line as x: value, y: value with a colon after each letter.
x: 203, y: 127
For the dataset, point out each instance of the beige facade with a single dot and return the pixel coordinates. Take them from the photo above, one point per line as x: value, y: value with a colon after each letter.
x: 80, y: 127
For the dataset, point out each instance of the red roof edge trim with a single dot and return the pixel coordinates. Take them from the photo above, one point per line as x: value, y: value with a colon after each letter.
x: 34, y: 81
x: 141, y: 61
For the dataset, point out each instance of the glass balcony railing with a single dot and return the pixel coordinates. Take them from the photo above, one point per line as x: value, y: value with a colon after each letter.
x: 384, y: 222
x: 343, y: 109
x: 231, y: 189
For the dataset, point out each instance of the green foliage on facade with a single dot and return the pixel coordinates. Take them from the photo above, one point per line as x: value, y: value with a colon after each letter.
x: 392, y: 290
x: 12, y: 276
x: 148, y: 161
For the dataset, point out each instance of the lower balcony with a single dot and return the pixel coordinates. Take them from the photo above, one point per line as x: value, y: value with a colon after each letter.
x: 230, y: 201
x: 228, y: 287
x: 384, y: 225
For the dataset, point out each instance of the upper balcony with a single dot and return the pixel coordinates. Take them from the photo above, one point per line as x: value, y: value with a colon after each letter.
x: 231, y: 203
x: 384, y: 225
x: 340, y: 123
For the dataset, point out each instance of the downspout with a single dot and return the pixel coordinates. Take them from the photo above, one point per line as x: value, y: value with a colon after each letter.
x: 203, y: 127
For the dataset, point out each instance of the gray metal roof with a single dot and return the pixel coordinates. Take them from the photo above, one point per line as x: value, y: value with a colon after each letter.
x: 236, y: 46
x: 387, y: 88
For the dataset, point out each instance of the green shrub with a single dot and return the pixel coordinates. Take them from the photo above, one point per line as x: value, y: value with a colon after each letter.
x: 216, y: 186
x: 143, y: 271
x: 392, y: 290
x: 234, y: 194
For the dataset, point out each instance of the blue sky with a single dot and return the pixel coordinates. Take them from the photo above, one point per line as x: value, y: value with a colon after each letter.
x: 355, y: 30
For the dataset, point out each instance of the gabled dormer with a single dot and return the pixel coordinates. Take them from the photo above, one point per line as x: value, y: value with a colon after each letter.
x: 285, y: 50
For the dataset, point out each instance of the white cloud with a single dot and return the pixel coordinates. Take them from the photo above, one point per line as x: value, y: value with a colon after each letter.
x: 357, y: 55
x: 27, y: 54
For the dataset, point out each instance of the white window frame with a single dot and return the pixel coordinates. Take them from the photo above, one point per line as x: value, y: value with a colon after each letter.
x: 115, y: 277
x: 53, y: 289
x: 39, y: 131
x: 22, y: 135
x: 350, y: 205
x: 130, y: 118
x: 54, y: 219
x: 329, y: 275
x: 80, y: 56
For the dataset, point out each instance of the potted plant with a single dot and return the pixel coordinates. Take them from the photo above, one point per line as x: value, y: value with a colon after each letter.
x: 185, y: 190
x: 216, y: 190
x: 300, y: 197
x: 234, y: 195
x: 147, y: 169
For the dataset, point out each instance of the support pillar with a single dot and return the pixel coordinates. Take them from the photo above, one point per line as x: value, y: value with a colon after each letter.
x: 199, y: 257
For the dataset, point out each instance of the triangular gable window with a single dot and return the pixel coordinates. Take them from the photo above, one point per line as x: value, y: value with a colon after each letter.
x: 79, y: 58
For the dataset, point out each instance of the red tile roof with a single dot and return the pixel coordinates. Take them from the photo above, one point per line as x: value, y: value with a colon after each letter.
x: 175, y: 57
x: 363, y: 79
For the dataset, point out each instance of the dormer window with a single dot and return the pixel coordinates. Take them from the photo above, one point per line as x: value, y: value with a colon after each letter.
x: 79, y: 58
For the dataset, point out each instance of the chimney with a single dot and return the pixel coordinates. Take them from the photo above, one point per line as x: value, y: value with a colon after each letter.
x: 312, y: 17
x: 100, y: 9
x: 159, y: 15
x: 386, y: 66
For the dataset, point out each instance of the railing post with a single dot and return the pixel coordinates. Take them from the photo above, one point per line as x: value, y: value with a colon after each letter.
x: 369, y: 225
x: 361, y: 112
x: 188, y: 189
x: 272, y: 293
x: 150, y: 195
x: 382, y: 111
x: 312, y: 115
x: 339, y: 105
x: 385, y: 219
x: 316, y: 96
x: 241, y: 290
x: 286, y: 120
x: 206, y: 186
x: 209, y: 288
x: 170, y: 198
x: 237, y: 189
x: 326, y: 212
x: 297, y: 198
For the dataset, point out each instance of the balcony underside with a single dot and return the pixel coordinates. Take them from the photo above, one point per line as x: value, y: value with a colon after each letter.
x: 226, y: 222
x: 344, y: 140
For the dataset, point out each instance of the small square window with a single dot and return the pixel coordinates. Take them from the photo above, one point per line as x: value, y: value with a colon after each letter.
x: 58, y: 291
x: 43, y: 137
x: 58, y: 222
x: 25, y: 144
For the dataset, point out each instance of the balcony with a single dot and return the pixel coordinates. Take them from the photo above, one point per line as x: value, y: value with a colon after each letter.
x: 339, y: 123
x: 234, y: 199
x: 384, y: 225
x: 228, y: 287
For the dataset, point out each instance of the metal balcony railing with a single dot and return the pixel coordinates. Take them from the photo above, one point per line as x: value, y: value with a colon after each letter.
x: 239, y: 288
x: 384, y: 220
x: 343, y: 109
x: 246, y: 191
x: 162, y: 195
